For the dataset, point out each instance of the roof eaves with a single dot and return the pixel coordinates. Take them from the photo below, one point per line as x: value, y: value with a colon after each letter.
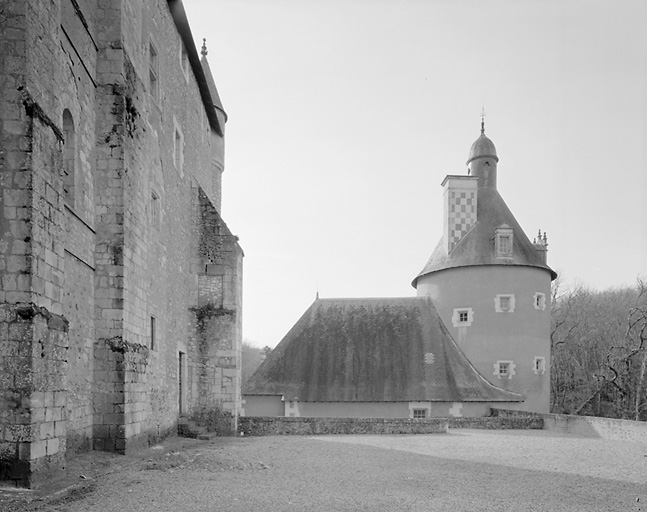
x: 182, y: 24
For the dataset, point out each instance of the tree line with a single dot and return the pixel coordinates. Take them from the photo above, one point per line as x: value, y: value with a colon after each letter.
x: 599, y: 351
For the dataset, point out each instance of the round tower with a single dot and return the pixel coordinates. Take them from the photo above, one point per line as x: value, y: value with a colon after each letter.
x: 491, y: 284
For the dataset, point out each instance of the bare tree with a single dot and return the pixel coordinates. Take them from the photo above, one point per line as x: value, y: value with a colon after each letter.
x: 252, y: 358
x: 599, y: 363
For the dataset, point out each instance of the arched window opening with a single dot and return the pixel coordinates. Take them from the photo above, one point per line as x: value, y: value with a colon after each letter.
x: 69, y: 157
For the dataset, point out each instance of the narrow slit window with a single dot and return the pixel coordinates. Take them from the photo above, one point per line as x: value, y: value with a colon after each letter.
x: 153, y: 333
x: 178, y: 149
x: 155, y: 210
x: 153, y: 72
x: 69, y: 158
x: 184, y: 61
x: 540, y: 301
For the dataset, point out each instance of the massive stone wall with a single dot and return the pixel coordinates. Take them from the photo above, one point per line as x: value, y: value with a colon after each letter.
x: 110, y: 196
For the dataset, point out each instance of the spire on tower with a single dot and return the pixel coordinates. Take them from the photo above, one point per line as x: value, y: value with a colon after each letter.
x: 204, y: 47
x: 483, y: 120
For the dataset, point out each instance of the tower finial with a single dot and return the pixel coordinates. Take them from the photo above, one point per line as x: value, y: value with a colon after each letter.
x: 483, y: 120
x: 204, y: 47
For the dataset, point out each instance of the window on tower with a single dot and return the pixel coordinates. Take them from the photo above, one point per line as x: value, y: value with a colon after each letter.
x: 504, y: 303
x: 539, y: 300
x: 463, y: 317
x: 504, y: 369
x: 504, y: 238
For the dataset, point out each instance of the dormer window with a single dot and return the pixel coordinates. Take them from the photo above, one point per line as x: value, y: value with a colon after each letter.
x: 504, y: 238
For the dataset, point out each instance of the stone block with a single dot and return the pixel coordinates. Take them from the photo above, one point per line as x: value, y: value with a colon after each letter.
x: 46, y: 430
x: 52, y: 446
x: 32, y: 450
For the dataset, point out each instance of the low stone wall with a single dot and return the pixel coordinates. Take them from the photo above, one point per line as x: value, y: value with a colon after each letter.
x: 277, y: 426
x: 586, y: 426
x: 523, y: 422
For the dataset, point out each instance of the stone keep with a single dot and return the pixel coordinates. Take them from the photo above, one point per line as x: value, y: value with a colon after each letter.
x: 491, y: 284
x: 120, y: 307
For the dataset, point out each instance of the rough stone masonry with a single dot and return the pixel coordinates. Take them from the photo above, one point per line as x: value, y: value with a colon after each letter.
x: 120, y: 307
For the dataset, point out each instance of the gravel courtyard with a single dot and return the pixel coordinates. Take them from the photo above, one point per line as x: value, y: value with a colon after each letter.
x: 465, y: 470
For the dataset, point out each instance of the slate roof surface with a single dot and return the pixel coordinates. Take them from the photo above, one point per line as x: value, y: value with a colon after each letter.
x: 206, y: 84
x: 482, y: 147
x: 394, y: 349
x: 211, y: 84
x: 477, y: 246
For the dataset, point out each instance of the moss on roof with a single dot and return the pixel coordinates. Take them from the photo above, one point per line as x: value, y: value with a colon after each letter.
x: 394, y: 349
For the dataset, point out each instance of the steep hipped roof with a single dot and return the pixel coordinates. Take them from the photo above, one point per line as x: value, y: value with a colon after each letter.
x: 394, y: 349
x: 477, y: 246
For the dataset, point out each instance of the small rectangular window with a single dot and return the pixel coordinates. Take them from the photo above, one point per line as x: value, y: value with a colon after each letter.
x: 419, y: 413
x: 539, y: 365
x: 504, y: 369
x: 540, y: 301
x: 462, y: 317
x: 504, y: 303
x: 153, y: 72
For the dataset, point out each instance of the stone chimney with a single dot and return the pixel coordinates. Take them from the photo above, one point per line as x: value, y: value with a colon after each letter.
x: 460, y: 201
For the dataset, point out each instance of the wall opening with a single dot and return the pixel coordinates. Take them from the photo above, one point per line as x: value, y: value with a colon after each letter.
x: 69, y: 157
x: 181, y: 374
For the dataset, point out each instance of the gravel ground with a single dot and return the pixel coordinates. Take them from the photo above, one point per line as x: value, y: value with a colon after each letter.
x: 465, y: 470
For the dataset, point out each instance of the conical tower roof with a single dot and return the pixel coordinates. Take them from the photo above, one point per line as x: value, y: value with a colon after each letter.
x: 477, y: 248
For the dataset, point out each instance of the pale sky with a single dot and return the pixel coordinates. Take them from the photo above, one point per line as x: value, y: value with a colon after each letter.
x: 346, y: 115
